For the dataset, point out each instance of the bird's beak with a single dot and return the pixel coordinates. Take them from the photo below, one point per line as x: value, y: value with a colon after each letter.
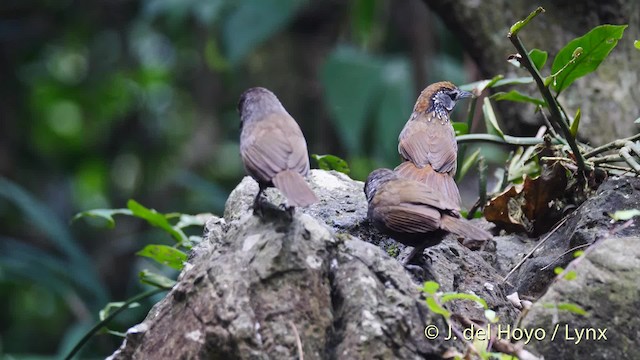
x: 464, y: 94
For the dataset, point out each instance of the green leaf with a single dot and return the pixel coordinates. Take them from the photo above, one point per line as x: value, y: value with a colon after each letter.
x: 351, y: 80
x: 165, y: 255
x: 570, y: 275
x: 433, y: 305
x: 156, y: 219
x: 331, y: 162
x: 516, y: 96
x: 193, y: 220
x: 558, y: 270
x: 622, y: 215
x: 573, y: 308
x: 538, y: 57
x: 393, y: 108
x: 430, y: 287
x: 596, y: 46
x: 461, y: 128
x: 460, y: 296
x: 106, y: 214
x: 636, y: 44
x: 363, y: 15
x: 491, y: 316
x: 157, y: 280
x: 497, y: 81
x: 253, y: 22
x: 575, y: 123
x: 578, y: 253
x: 108, y: 309
x: 490, y: 118
x: 468, y: 163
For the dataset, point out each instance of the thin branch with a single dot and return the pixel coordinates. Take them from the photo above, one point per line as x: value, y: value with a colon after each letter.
x: 554, y: 108
x: 612, y: 145
x: 507, y: 140
x: 298, y: 341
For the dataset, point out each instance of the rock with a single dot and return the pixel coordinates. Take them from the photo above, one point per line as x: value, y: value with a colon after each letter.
x: 323, y: 282
x: 606, y: 286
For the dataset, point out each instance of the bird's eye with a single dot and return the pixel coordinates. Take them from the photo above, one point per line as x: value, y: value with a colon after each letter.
x: 452, y: 95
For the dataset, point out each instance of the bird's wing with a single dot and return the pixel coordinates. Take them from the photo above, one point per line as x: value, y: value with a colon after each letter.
x: 267, y: 149
x: 423, y: 143
x: 409, y: 218
x: 410, y: 192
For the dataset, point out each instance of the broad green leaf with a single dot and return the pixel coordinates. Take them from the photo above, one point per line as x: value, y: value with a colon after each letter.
x: 165, y: 255
x: 430, y: 287
x: 596, y: 46
x: 106, y: 311
x: 157, y: 280
x: 516, y: 96
x: 393, y: 108
x: 193, y: 220
x: 636, y: 44
x: 538, y: 57
x: 468, y: 163
x: 351, y: 80
x: 106, y: 214
x: 575, y: 123
x: 490, y: 118
x: 460, y: 296
x: 461, y: 128
x: 622, y: 215
x: 254, y: 21
x: 156, y: 219
x: 331, y: 162
x: 433, y: 305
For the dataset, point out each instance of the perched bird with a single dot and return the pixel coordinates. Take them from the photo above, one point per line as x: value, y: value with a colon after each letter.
x: 414, y: 214
x: 273, y: 148
x: 427, y: 142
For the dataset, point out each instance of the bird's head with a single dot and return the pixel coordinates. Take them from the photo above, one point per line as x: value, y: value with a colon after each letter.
x: 440, y: 98
x: 256, y: 102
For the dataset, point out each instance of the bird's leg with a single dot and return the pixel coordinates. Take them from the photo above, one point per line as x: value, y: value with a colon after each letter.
x: 257, y: 202
x: 416, y: 251
x: 290, y: 210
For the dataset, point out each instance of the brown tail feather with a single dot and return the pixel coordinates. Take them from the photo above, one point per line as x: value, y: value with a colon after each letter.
x: 441, y: 182
x: 463, y: 228
x: 294, y: 188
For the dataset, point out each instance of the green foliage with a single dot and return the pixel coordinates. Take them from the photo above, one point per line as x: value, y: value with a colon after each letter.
x: 331, y: 162
x: 165, y: 255
x: 622, y: 215
x: 596, y: 46
x: 565, y: 306
x: 538, y: 57
x: 253, y: 22
x: 516, y: 96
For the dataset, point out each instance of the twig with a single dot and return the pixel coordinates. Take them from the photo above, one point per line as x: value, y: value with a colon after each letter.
x: 612, y: 145
x: 535, y: 248
x: 554, y: 107
x: 563, y: 254
x: 629, y: 159
x: 298, y: 341
x: 508, y: 140
x: 607, y: 158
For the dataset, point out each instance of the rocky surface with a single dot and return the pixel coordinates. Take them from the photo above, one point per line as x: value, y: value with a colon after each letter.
x: 324, y: 283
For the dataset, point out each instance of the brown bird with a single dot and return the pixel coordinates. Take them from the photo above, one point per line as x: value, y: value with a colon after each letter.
x: 273, y: 148
x: 427, y: 142
x: 412, y: 213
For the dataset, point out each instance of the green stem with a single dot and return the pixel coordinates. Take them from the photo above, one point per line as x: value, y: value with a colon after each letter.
x: 507, y: 140
x: 106, y: 320
x: 612, y: 145
x: 554, y: 108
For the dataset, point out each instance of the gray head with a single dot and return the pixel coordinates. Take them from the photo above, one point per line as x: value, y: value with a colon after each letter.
x: 257, y: 102
x: 376, y: 179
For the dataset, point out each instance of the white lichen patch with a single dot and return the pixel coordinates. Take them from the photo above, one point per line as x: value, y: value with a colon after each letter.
x: 313, y: 262
x: 371, y: 324
x: 368, y: 281
x: 327, y: 180
x: 140, y: 328
x: 250, y: 241
x: 196, y: 336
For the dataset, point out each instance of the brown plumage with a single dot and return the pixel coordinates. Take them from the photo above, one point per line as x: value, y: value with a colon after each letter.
x: 273, y: 148
x: 427, y: 142
x: 414, y: 214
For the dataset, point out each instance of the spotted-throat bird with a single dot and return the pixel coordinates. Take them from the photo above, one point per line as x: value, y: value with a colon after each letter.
x: 273, y: 148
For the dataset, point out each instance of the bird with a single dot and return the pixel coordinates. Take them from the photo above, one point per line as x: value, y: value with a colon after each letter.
x: 427, y: 143
x: 273, y: 148
x: 414, y: 214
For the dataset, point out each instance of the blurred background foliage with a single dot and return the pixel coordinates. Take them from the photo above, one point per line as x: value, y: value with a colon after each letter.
x: 103, y: 101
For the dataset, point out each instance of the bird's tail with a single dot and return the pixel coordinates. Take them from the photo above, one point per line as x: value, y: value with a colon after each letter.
x: 464, y: 228
x: 438, y: 182
x: 294, y: 188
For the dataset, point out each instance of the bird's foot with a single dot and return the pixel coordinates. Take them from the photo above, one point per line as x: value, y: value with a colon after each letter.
x: 289, y: 210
